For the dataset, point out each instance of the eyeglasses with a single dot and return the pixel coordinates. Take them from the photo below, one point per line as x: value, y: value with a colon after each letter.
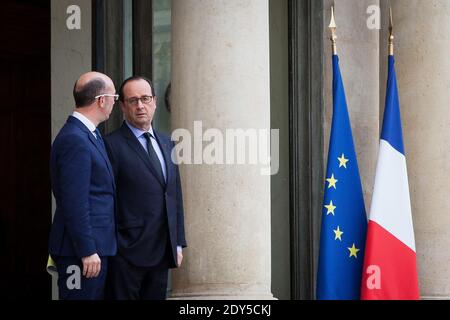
x: 144, y: 99
x: 115, y: 96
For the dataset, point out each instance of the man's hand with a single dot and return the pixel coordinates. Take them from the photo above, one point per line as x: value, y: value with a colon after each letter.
x: 91, y: 266
x: 179, y: 256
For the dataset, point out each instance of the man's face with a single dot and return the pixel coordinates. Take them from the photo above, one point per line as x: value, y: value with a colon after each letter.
x: 137, y: 108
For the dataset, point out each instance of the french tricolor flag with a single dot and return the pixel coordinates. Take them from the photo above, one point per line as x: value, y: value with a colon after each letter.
x: 390, y: 268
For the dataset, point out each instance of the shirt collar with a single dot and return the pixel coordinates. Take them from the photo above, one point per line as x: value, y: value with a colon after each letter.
x: 138, y: 132
x: 88, y: 123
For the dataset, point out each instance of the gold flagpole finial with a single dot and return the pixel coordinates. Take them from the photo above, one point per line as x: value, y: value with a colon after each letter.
x: 333, y: 27
x: 391, y: 33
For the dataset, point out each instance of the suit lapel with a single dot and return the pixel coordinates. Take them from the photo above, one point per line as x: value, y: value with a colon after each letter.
x: 134, y: 144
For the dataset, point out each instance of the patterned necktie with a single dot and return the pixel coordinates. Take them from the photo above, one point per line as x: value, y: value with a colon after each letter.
x: 153, y: 157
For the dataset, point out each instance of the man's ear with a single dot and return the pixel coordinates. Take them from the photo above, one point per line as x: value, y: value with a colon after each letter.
x: 101, y: 101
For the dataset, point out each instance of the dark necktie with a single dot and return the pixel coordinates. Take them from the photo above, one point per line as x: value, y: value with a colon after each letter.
x: 153, y: 157
x: 100, y: 139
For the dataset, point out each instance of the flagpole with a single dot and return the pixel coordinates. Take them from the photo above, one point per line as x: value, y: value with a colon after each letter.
x: 333, y: 27
x: 391, y: 33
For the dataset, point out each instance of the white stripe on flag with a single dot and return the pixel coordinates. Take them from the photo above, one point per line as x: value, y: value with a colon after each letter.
x: 391, y: 205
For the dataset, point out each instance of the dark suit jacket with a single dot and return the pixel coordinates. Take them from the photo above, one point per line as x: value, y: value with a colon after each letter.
x: 83, y: 186
x: 149, y: 211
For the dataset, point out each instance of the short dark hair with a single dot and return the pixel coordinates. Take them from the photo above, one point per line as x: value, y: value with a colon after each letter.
x: 134, y: 78
x: 84, y: 95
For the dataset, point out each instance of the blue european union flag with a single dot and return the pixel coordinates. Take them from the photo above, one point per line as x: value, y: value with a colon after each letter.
x: 344, y: 221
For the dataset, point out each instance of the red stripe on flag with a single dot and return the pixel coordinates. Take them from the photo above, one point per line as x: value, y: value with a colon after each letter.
x: 390, y: 270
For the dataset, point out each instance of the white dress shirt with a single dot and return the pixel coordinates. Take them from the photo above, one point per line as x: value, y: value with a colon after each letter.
x: 85, y: 121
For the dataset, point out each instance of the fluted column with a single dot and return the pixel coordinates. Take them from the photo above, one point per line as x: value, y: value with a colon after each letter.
x: 220, y: 76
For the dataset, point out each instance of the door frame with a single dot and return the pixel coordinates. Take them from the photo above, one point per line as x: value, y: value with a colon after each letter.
x: 306, y: 142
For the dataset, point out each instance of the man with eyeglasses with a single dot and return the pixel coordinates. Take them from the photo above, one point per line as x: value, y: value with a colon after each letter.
x: 83, y: 232
x: 149, y: 200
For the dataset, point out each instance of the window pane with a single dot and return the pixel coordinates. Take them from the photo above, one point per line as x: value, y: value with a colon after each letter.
x: 161, y: 60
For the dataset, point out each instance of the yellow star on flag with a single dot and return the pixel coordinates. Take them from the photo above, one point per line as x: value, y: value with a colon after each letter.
x: 343, y: 161
x: 353, y: 251
x: 338, y: 234
x: 332, y: 182
x: 330, y: 208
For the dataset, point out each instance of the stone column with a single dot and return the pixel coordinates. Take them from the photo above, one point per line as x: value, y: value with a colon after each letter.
x: 220, y: 74
x: 358, y: 50
x: 422, y: 40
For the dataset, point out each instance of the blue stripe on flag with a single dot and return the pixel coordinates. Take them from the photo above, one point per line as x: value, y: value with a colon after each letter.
x: 392, y: 123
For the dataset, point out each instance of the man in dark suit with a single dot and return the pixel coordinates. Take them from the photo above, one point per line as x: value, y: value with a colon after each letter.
x: 149, y: 200
x: 83, y: 233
